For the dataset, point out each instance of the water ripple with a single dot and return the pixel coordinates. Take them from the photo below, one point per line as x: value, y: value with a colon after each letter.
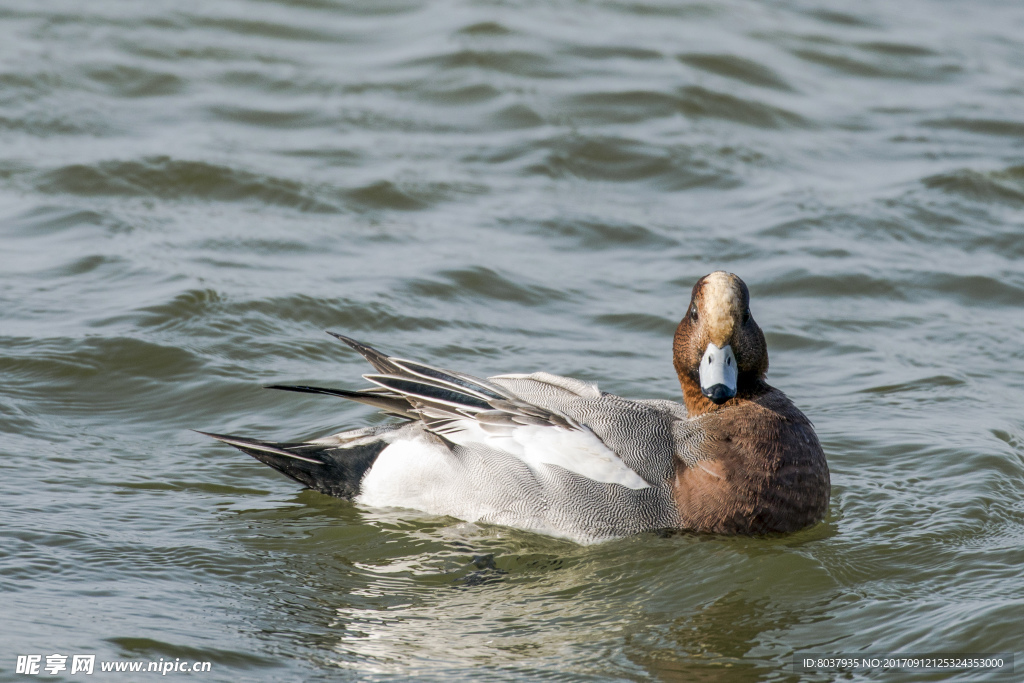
x: 189, y: 196
x: 169, y: 178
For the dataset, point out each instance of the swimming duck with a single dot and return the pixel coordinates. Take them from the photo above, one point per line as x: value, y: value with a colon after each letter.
x: 558, y: 456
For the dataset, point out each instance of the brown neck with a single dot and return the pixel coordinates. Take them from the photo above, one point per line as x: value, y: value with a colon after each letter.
x: 697, y: 404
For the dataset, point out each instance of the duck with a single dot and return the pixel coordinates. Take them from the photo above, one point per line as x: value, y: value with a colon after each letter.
x: 557, y: 456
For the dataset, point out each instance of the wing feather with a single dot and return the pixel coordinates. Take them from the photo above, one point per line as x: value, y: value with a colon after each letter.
x: 466, y: 410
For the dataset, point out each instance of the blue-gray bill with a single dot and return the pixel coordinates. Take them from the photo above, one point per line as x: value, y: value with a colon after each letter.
x: 718, y: 373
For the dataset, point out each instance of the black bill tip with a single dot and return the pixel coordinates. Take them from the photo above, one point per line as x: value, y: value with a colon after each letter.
x: 718, y: 393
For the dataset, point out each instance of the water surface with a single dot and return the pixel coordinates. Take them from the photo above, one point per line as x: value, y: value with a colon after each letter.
x: 190, y: 193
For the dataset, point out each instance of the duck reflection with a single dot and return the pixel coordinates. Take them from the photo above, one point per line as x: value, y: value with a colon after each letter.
x: 721, y: 642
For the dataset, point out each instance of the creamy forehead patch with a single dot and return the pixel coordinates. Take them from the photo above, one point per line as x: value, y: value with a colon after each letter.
x: 722, y: 300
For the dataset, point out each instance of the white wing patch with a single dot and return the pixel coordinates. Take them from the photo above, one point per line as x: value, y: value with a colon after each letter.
x: 578, y: 451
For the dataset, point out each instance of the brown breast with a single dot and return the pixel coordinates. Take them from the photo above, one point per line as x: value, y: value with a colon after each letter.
x: 764, y: 471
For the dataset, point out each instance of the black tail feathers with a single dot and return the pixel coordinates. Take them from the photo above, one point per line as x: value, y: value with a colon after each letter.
x: 333, y: 470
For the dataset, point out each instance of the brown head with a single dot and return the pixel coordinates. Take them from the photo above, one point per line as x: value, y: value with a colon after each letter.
x: 719, y: 352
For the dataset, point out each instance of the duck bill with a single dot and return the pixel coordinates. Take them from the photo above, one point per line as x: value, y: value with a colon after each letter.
x: 718, y: 373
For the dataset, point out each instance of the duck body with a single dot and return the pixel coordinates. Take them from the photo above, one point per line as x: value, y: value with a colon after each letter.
x: 557, y: 456
x: 586, y: 483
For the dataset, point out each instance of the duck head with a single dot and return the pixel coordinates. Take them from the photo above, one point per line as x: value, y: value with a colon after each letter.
x: 719, y: 352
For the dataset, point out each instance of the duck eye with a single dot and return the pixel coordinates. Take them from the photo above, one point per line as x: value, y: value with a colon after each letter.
x: 693, y: 314
x: 746, y: 315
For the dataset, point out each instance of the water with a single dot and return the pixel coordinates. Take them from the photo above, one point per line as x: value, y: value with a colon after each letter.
x: 190, y: 193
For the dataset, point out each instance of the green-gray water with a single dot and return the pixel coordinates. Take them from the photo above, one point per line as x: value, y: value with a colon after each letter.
x: 191, y: 192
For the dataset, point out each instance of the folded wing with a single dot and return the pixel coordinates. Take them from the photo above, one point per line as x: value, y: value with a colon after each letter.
x: 467, y: 410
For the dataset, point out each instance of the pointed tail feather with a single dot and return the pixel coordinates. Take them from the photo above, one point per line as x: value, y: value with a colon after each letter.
x: 336, y: 471
x: 378, y: 360
x: 429, y: 392
x: 386, y: 401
